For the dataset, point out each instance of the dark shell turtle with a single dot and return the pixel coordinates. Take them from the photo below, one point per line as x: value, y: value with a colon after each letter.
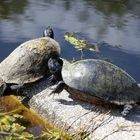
x: 29, y: 61
x: 97, y: 79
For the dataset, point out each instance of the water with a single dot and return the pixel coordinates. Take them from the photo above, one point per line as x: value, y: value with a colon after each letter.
x: 115, y: 22
x: 27, y: 125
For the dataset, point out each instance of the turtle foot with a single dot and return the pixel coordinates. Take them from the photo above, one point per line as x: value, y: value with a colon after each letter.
x: 17, y: 89
x: 126, y: 110
x: 4, y: 89
x: 58, y: 88
x: 52, y: 80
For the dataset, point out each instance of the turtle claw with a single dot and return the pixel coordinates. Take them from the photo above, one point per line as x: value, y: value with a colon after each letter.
x: 53, y: 93
x: 58, y: 88
x: 126, y: 110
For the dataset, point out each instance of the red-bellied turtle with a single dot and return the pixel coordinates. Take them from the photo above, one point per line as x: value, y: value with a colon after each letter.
x: 29, y: 61
x: 92, y: 79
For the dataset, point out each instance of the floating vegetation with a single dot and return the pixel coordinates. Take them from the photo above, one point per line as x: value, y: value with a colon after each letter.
x: 11, y: 129
x: 20, y: 123
x: 79, y: 43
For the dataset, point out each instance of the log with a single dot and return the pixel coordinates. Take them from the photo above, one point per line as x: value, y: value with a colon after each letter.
x: 101, y: 122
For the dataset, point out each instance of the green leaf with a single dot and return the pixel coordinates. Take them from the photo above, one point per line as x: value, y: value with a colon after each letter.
x: 79, y: 43
x: 17, y: 128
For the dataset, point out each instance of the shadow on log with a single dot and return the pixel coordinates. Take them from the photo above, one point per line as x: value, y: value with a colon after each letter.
x: 101, y: 121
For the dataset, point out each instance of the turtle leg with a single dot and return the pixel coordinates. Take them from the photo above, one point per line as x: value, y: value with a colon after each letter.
x: 4, y: 89
x: 18, y: 89
x: 60, y: 86
x: 52, y: 79
x: 55, y: 67
x: 126, y: 109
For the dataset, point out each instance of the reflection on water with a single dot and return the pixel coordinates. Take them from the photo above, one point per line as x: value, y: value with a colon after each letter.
x: 116, y: 22
x: 11, y: 8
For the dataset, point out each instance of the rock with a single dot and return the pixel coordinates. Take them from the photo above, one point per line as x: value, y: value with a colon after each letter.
x: 102, y: 122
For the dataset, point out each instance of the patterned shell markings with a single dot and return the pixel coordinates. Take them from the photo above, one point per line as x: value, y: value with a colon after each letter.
x: 101, y: 79
x: 28, y: 62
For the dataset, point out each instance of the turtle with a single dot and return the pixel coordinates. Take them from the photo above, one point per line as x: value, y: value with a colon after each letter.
x: 97, y: 81
x: 28, y: 63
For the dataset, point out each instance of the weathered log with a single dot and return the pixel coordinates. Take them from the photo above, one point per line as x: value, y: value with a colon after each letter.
x: 101, y: 121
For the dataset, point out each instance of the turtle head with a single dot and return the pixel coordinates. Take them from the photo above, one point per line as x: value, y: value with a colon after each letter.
x: 55, y: 65
x: 48, y: 32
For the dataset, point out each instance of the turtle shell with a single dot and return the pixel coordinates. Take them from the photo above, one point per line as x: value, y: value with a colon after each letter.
x: 101, y: 79
x: 28, y: 62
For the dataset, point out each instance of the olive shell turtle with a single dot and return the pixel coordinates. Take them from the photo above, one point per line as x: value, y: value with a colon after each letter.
x: 92, y: 79
x: 28, y: 62
x: 101, y: 79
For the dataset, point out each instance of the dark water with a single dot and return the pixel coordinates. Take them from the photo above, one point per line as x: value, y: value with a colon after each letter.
x: 115, y: 22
